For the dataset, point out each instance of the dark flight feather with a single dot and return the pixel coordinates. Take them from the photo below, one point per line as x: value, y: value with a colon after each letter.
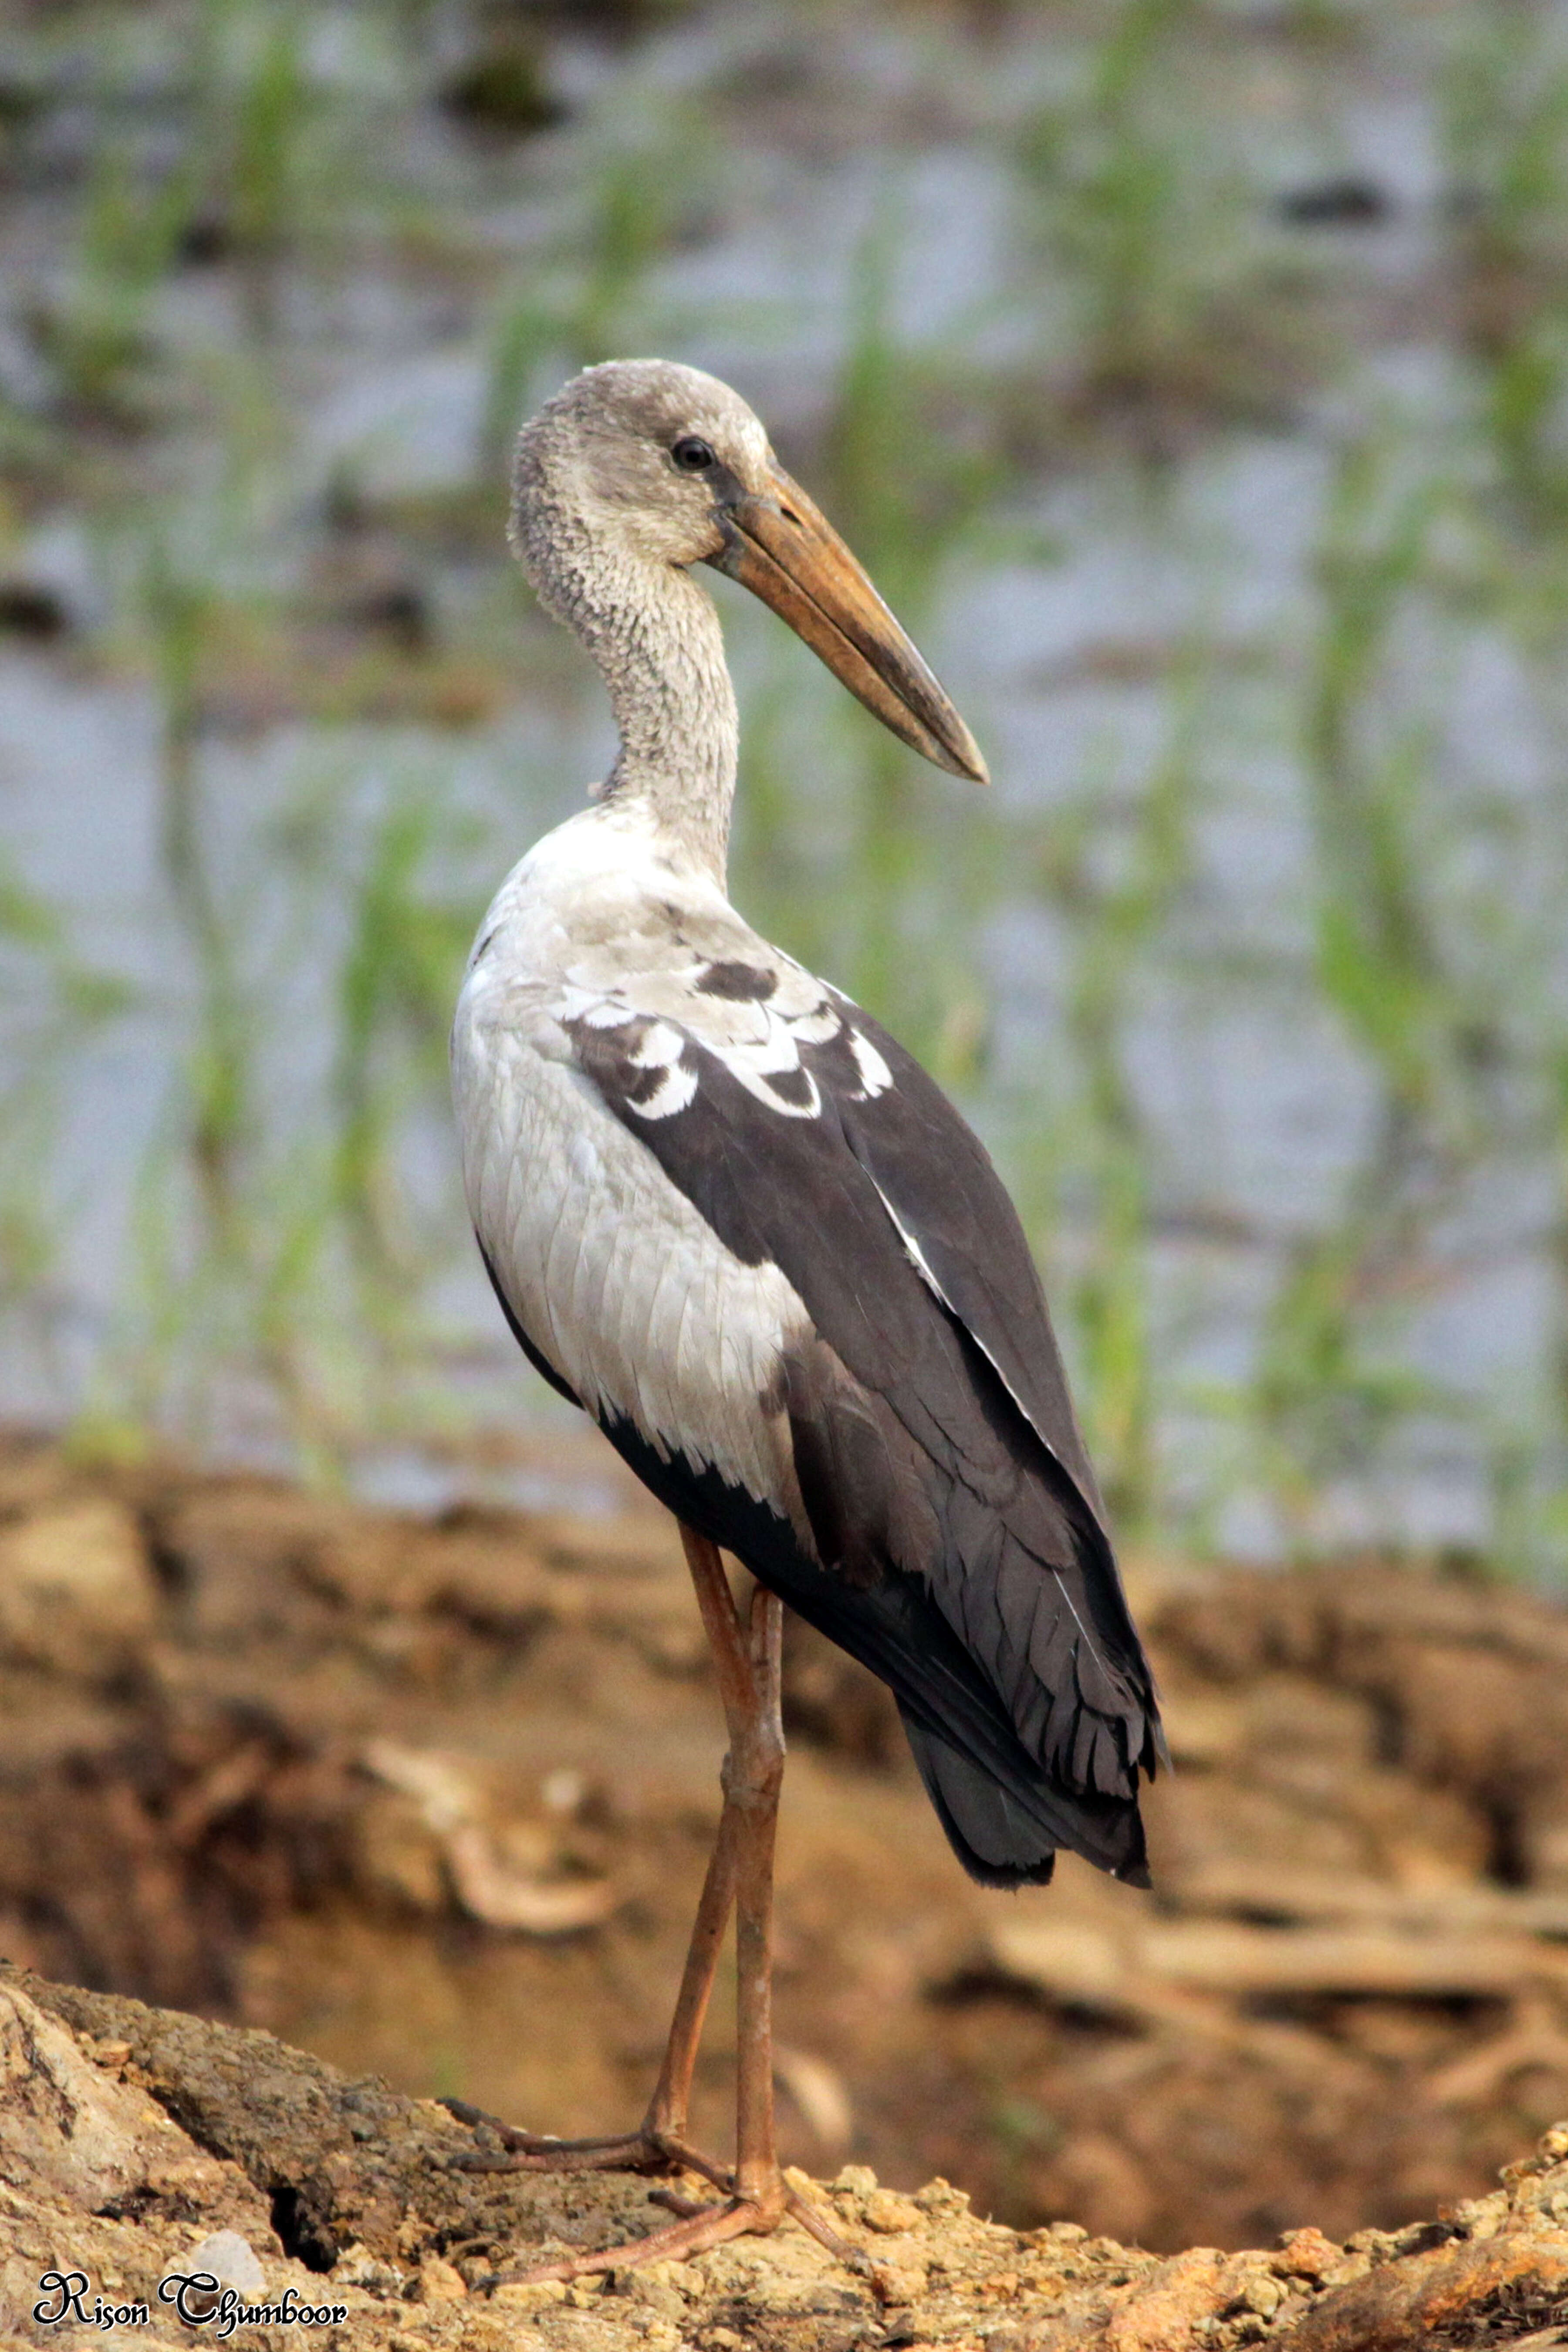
x: 961, y: 1737
x: 963, y: 1556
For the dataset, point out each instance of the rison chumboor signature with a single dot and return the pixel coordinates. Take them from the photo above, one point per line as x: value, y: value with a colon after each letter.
x: 201, y: 2300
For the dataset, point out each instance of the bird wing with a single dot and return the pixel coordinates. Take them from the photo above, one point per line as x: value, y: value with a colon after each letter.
x: 726, y: 1211
x: 931, y: 1440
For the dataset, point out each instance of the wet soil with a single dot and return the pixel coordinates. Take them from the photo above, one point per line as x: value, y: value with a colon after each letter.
x: 430, y: 1799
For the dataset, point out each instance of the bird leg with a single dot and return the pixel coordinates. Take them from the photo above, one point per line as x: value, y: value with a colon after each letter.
x: 659, y: 2143
x: 747, y: 1660
x: 754, y: 1774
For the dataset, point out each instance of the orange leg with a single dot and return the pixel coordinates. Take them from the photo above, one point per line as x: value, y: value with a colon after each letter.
x: 748, y: 1662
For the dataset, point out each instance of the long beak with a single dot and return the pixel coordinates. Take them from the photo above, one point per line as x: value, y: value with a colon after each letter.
x: 785, y: 550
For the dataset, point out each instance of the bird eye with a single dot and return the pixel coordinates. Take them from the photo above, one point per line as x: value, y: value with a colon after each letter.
x: 692, y: 456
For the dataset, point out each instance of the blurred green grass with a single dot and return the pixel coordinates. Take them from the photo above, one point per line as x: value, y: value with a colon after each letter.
x: 210, y: 195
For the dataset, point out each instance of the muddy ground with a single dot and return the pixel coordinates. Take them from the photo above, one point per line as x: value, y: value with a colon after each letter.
x: 148, y: 2156
x: 431, y: 1800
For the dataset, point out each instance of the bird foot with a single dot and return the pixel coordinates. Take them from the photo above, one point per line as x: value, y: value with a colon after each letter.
x: 647, y: 2149
x: 798, y: 2207
x: 699, y: 2226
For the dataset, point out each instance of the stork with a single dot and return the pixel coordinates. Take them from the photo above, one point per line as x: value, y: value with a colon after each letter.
x: 726, y: 1214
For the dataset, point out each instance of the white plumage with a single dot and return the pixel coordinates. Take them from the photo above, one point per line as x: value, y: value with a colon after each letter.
x: 629, y: 1292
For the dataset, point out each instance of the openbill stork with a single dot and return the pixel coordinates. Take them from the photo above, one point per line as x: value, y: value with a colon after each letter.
x: 730, y: 1218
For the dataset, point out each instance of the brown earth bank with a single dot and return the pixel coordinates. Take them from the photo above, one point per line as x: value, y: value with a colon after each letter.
x: 150, y: 2162
x: 431, y: 1800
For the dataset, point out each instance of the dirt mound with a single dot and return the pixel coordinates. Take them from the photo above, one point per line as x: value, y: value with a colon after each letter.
x: 432, y: 1799
x: 128, y: 2132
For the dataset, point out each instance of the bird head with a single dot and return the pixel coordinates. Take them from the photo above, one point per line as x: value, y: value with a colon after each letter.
x: 661, y: 464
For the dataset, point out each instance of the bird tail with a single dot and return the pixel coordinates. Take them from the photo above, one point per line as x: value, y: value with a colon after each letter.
x: 1003, y: 1843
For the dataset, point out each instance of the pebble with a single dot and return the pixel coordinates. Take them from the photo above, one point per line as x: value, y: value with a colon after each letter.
x: 439, y: 2283
x: 517, y: 2294
x: 230, y: 2258
x: 1303, y: 2253
x: 940, y: 2196
x: 895, y: 2284
x: 357, y: 2266
x: 855, y: 2181
x: 1255, y: 2291
x: 886, y: 2211
x: 655, y: 2296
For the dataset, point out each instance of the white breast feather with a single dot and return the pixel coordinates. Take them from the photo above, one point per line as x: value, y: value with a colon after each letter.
x: 624, y: 1287
x: 611, y: 1272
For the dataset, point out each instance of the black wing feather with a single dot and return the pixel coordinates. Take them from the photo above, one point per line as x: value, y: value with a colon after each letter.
x: 962, y: 1739
x: 963, y: 1556
x: 938, y: 1178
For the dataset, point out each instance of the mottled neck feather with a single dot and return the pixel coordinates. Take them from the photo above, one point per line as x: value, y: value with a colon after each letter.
x: 655, y: 635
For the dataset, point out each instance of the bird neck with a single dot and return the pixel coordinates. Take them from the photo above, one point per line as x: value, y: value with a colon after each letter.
x: 655, y: 635
x: 661, y: 651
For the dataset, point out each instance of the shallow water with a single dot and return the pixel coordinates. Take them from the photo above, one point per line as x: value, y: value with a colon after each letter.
x: 1100, y: 618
